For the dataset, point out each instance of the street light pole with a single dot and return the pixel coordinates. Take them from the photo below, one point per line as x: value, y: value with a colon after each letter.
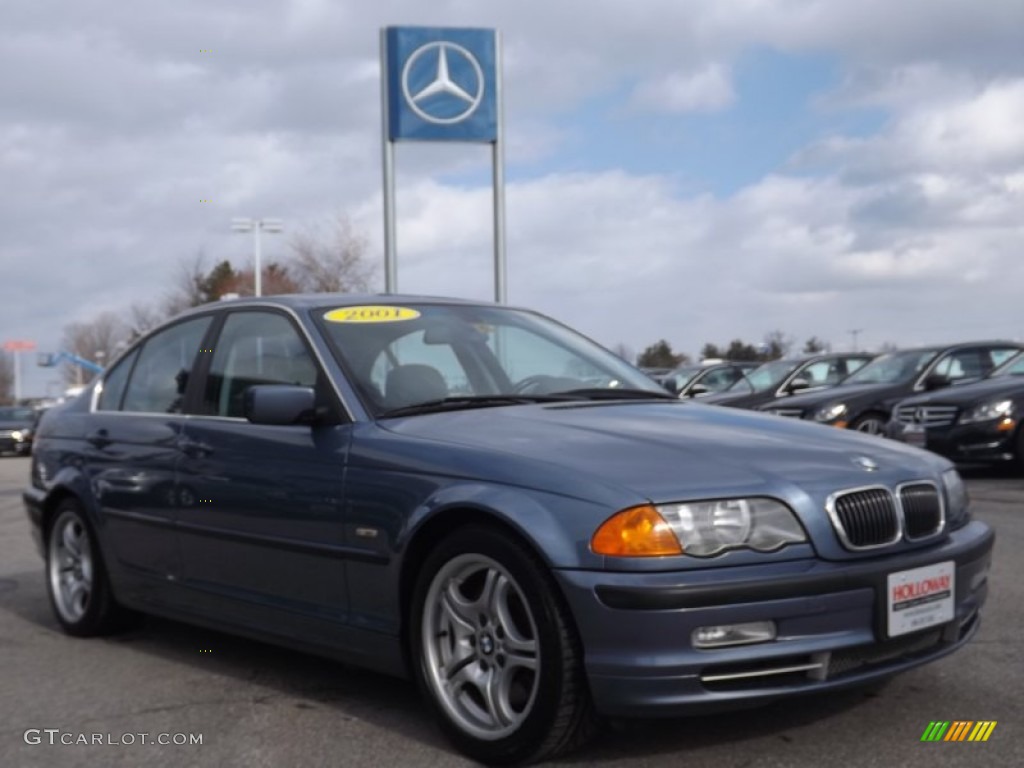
x: 854, y: 332
x: 257, y: 226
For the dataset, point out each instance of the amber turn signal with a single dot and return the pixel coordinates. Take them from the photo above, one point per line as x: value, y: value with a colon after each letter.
x: 635, y: 532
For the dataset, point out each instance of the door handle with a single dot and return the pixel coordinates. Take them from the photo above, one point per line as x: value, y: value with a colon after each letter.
x: 99, y: 438
x: 193, y: 448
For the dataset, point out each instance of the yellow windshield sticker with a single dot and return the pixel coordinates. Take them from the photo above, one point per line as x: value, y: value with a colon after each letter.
x: 370, y: 313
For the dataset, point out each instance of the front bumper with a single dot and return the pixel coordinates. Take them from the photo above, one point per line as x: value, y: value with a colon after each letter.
x: 10, y: 445
x: 965, y: 443
x: 830, y: 619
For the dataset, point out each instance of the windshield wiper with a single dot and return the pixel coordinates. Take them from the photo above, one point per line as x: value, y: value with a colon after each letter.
x: 614, y: 393
x: 459, y: 402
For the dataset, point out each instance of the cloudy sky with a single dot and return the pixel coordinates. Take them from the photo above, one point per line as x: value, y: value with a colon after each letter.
x: 695, y: 171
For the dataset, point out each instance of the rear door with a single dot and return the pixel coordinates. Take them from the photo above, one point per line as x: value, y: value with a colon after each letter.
x: 260, y: 519
x: 131, y: 452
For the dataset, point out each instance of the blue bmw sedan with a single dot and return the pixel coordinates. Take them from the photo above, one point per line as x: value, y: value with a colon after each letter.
x: 482, y: 499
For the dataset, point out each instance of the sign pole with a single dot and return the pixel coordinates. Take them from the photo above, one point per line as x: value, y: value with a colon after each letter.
x: 498, y: 181
x: 17, y: 377
x: 388, y: 149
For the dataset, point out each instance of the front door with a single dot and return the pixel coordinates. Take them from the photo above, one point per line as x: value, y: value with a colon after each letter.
x: 260, y: 507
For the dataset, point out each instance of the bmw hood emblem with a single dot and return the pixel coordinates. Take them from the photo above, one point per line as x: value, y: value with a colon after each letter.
x: 865, y: 463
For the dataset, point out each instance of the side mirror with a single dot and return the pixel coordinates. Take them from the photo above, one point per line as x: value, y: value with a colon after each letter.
x: 936, y: 381
x: 797, y: 384
x: 697, y: 390
x: 279, y: 404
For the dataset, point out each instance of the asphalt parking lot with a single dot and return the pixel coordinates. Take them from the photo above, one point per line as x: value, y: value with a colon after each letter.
x: 255, y: 705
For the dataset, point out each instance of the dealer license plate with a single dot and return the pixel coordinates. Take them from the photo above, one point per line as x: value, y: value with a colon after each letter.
x: 921, y: 597
x: 915, y: 434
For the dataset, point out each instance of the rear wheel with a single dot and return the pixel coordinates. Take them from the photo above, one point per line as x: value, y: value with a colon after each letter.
x: 870, y: 423
x: 76, y: 577
x: 495, y: 651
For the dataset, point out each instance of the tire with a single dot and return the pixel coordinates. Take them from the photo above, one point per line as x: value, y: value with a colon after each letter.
x: 76, y: 578
x: 495, y: 652
x: 870, y: 424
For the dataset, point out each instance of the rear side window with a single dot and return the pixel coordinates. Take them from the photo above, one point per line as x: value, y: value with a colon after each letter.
x: 114, y: 384
x: 158, y: 383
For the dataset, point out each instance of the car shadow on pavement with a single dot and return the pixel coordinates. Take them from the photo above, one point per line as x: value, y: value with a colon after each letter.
x: 274, y: 676
x: 629, y: 738
x: 267, y: 673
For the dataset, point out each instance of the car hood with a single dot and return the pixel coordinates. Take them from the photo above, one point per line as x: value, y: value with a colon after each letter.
x: 738, y: 399
x: 5, y: 425
x: 971, y: 393
x: 663, y: 450
x: 852, y: 392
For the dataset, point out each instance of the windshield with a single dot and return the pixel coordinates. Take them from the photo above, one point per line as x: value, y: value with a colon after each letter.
x: 893, y: 367
x: 764, y: 376
x: 682, y: 376
x: 16, y: 414
x: 401, y: 356
x: 1012, y: 367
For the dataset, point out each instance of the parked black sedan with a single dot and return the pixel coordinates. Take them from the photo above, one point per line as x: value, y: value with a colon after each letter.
x: 17, y: 425
x: 981, y: 422
x: 783, y: 378
x: 865, y: 400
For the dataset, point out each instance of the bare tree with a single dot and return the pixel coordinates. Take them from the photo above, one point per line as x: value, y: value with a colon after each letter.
x: 276, y: 279
x: 187, y: 290
x: 776, y: 345
x: 814, y: 346
x: 331, y: 261
x: 98, y: 340
x: 6, y: 378
x: 624, y: 351
x: 143, y: 318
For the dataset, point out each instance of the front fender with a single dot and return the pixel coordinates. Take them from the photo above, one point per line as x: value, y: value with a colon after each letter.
x: 558, y: 528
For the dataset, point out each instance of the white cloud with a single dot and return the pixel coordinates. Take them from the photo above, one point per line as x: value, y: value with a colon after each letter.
x: 114, y: 126
x: 706, y: 90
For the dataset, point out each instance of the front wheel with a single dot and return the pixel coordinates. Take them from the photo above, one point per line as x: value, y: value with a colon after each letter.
x: 495, y: 651
x: 871, y: 424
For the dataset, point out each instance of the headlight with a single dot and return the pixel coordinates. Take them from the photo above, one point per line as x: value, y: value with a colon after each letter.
x: 831, y: 412
x: 988, y: 411
x: 956, y: 498
x: 700, y: 529
x: 17, y: 436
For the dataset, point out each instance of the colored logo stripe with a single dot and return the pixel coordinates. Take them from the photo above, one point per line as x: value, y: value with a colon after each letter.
x: 935, y: 730
x: 982, y: 730
x: 958, y: 730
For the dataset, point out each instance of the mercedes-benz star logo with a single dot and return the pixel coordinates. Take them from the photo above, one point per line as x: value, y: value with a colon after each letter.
x: 455, y: 89
x: 868, y: 465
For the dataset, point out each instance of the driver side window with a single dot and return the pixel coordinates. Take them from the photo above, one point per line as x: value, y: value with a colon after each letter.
x: 255, y: 348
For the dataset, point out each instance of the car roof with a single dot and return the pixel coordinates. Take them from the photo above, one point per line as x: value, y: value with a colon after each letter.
x: 315, y: 300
